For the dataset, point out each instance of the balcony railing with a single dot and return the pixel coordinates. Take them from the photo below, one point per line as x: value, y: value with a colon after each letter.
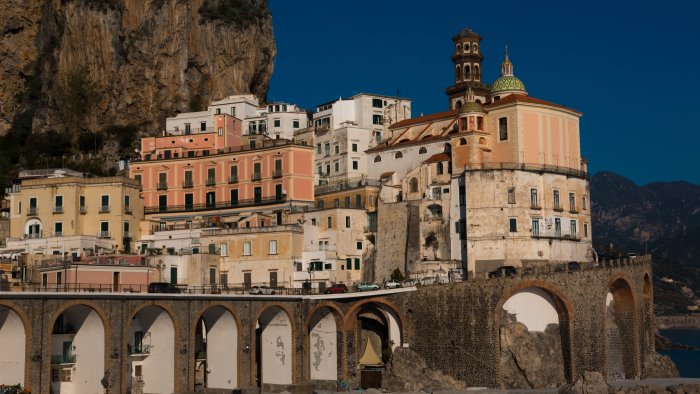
x: 187, y: 184
x: 82, y: 210
x: 63, y: 359
x: 104, y: 208
x: 127, y: 210
x: 233, y: 179
x: 162, y: 186
x: 555, y: 234
x: 558, y: 207
x: 139, y: 350
x: 32, y: 211
x: 217, y: 205
x: 32, y: 236
x: 58, y: 234
x: 343, y: 184
x: 573, y: 209
x: 57, y: 209
x: 256, y: 176
x: 277, y: 173
x: 211, y: 181
x: 535, y: 205
x: 103, y: 234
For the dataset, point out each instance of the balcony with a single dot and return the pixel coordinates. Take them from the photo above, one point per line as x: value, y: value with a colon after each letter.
x: 555, y: 234
x: 82, y: 210
x: 188, y: 184
x: 32, y: 211
x: 256, y: 176
x: 573, y: 209
x: 217, y: 205
x: 32, y: 236
x: 58, y: 234
x: 139, y: 351
x: 233, y: 179
x: 103, y: 234
x: 63, y: 359
x: 104, y: 208
x: 127, y: 210
x: 57, y: 210
x: 535, y: 205
x: 162, y: 186
x: 211, y: 181
x: 558, y: 208
x: 277, y: 174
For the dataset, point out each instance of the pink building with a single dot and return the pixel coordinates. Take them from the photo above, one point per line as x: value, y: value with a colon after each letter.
x: 118, y: 273
x: 219, y: 175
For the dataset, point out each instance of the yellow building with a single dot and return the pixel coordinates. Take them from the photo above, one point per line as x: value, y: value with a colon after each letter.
x: 51, y: 213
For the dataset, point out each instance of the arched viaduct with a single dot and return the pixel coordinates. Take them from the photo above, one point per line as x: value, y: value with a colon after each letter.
x: 75, y: 342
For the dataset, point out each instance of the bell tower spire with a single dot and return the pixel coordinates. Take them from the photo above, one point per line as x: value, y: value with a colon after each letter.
x: 466, y: 61
x: 506, y: 66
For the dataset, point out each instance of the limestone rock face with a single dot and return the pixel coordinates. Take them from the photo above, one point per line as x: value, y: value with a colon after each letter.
x: 409, y: 372
x: 656, y: 365
x: 588, y: 383
x: 146, y: 58
x: 531, y: 359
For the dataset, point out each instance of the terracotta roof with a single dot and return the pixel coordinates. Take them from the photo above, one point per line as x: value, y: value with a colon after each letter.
x: 518, y: 98
x: 423, y: 119
x: 438, y: 157
x: 430, y: 138
x: 386, y: 174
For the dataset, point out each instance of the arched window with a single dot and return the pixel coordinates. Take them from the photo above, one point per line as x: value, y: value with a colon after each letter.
x: 467, y: 72
x: 482, y: 141
x: 413, y: 185
x: 440, y: 168
x: 458, y: 104
x: 479, y: 122
x: 476, y: 71
x: 422, y: 150
x: 459, y: 47
x: 458, y: 72
x: 462, y: 141
x: 377, y: 159
x: 447, y: 148
x: 398, y: 155
x: 475, y: 49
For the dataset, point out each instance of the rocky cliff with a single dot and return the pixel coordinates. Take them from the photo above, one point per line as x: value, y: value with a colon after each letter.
x: 85, y: 66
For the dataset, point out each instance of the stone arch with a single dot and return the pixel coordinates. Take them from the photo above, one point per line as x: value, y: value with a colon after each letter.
x: 220, y: 365
x: 151, y: 346
x: 377, y: 159
x: 78, y: 355
x: 325, y: 343
x: 462, y: 141
x: 413, y: 185
x: 16, y: 344
x: 269, y: 332
x: 505, y: 331
x: 621, y: 334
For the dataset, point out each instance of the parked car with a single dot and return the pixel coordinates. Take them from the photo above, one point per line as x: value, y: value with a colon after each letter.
x: 506, y: 270
x: 411, y: 283
x: 367, y: 286
x: 574, y: 266
x: 261, y: 290
x: 162, y: 287
x: 392, y: 284
x: 337, y: 289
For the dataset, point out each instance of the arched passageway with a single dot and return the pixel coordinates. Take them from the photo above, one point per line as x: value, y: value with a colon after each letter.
x: 77, y: 351
x: 273, y: 348
x: 534, y: 338
x: 378, y: 332
x: 13, y: 342
x: 620, y: 327
x: 216, y: 350
x: 324, y: 339
x: 151, y: 347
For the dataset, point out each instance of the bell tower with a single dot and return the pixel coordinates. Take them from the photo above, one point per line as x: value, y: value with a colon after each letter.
x: 466, y: 60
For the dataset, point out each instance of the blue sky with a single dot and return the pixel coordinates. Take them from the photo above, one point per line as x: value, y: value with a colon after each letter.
x: 631, y: 67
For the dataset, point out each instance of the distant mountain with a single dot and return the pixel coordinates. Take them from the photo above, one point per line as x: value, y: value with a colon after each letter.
x: 662, y: 218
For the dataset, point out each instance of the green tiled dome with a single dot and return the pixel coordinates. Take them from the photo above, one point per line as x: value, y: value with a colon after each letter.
x: 470, y: 107
x: 507, y: 83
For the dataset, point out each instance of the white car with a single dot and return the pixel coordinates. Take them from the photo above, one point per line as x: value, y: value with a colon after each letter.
x: 392, y: 284
x: 261, y: 290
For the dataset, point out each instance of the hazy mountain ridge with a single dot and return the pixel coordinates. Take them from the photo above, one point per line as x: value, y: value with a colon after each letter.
x: 662, y: 218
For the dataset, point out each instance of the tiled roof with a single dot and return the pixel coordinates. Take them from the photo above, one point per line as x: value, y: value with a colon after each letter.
x: 424, y: 119
x: 519, y: 98
x: 386, y: 174
x: 438, y: 157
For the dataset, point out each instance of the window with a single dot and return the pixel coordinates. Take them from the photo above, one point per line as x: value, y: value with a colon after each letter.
x: 347, y: 202
x: 328, y: 169
x: 377, y: 159
x: 276, y: 123
x: 138, y: 178
x: 257, y: 194
x: 440, y: 168
x: 556, y: 199
x: 329, y: 221
x: 188, y: 129
x: 572, y: 228
x: 358, y: 201
x: 278, y: 166
x: 319, y: 170
x: 203, y: 125
x: 58, y: 229
x: 354, y: 147
x: 355, y: 164
x: 295, y: 124
x: 413, y: 185
x: 223, y: 249
x: 583, y: 203
x: 232, y: 111
x: 511, y: 195
x: 513, y: 225
x: 234, y: 197
x: 210, y: 199
x: 220, y: 131
x: 257, y: 171
x: 585, y: 230
x: 422, y: 150
x: 572, y: 202
x: 535, y: 227
x: 348, y: 264
x: 336, y: 149
x: 104, y: 203
x: 376, y: 103
x: 502, y: 129
x: 378, y: 136
x: 127, y: 203
x: 246, y: 248
x: 252, y: 144
x: 336, y: 166
x: 318, y: 148
x: 313, y: 221
x: 479, y: 123
x: 357, y: 264
x: 278, y: 192
x: 81, y: 202
x: 557, y: 227
x: 347, y: 222
x: 163, y: 203
x: 358, y: 245
x: 126, y: 228
x: 533, y: 198
x: 273, y: 246
x: 104, y: 229
x: 377, y: 119
x: 398, y: 155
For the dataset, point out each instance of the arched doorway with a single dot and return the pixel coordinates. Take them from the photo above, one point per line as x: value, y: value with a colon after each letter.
x: 151, y: 347
x: 13, y: 342
x: 620, y: 323
x: 273, y: 349
x: 216, y: 350
x: 534, y: 339
x: 324, y: 339
x: 77, y: 351
x: 378, y: 331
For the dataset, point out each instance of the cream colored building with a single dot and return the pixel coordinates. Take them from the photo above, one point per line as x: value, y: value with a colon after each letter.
x: 73, y: 214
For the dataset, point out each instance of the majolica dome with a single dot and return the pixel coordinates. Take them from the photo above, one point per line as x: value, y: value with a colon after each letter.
x: 507, y: 83
x: 471, y: 107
